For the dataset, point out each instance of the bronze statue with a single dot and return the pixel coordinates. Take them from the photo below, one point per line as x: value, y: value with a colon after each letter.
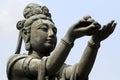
x: 39, y: 34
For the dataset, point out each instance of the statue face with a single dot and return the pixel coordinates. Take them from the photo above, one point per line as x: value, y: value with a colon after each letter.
x: 43, y: 36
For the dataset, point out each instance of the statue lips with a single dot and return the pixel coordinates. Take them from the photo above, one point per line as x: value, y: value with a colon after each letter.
x: 51, y: 41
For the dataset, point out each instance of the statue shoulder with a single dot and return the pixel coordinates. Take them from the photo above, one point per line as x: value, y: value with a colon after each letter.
x: 15, y: 57
x: 12, y: 60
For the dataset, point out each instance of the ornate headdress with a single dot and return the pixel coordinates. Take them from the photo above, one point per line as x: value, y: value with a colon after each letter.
x: 33, y: 9
x: 31, y: 12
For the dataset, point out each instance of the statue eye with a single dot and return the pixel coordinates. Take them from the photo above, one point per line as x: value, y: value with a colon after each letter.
x: 43, y: 27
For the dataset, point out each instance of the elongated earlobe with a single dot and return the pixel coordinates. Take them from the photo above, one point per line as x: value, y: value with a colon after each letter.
x: 27, y: 46
x: 26, y: 38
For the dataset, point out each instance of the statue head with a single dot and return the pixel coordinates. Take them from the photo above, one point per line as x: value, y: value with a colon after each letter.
x: 37, y: 30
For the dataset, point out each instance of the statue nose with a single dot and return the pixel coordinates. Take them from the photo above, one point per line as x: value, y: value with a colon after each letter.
x: 50, y: 32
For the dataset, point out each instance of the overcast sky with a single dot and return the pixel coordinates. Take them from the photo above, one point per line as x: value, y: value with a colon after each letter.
x: 65, y: 13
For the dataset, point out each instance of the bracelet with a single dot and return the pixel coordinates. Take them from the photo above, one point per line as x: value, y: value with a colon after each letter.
x: 93, y: 45
x: 67, y: 43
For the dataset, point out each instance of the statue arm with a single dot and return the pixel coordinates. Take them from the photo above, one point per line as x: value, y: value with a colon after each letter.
x: 82, y: 69
x: 59, y: 55
x: 57, y: 58
x: 85, y: 65
x: 86, y: 62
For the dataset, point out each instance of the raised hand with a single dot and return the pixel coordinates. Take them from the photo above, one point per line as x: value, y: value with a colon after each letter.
x: 103, y: 33
x: 86, y: 26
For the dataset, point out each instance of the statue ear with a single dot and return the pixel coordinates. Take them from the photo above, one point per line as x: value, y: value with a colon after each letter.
x: 26, y: 37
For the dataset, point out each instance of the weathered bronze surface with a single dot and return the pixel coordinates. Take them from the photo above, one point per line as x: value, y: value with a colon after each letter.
x: 39, y: 34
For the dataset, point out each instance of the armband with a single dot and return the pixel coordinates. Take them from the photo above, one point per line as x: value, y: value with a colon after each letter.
x: 67, y: 43
x: 93, y: 45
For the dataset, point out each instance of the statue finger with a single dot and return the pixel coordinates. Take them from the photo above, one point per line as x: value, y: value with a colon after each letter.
x: 108, y: 28
x: 97, y: 24
x: 112, y: 28
x: 82, y: 20
x: 87, y: 17
x: 94, y: 30
x: 110, y: 23
x: 103, y: 30
x: 91, y: 20
x: 91, y: 30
